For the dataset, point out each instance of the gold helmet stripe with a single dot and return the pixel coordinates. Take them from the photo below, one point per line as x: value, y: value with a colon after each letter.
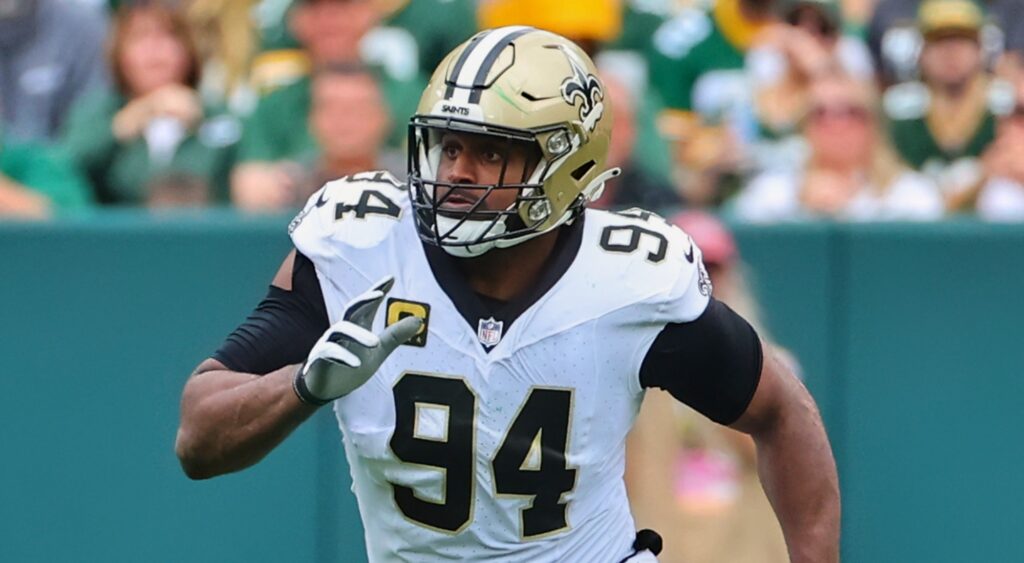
x: 469, y: 74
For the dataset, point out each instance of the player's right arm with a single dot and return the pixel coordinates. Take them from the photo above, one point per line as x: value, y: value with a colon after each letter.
x: 231, y: 420
x: 231, y: 417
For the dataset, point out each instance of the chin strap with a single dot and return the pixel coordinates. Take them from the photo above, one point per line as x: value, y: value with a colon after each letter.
x: 461, y: 230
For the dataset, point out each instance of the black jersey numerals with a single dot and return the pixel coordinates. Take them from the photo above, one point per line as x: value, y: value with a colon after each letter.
x: 450, y: 450
x: 627, y: 239
x: 530, y: 462
x: 371, y: 202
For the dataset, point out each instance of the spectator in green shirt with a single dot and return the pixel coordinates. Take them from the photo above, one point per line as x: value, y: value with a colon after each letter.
x: 37, y: 181
x: 1001, y: 195
x: 942, y: 124
x: 698, y: 52
x: 349, y: 121
x: 154, y: 128
x: 698, y: 67
x: 411, y: 37
x: 331, y: 32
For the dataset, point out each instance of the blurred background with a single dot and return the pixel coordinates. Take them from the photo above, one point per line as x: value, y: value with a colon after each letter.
x: 853, y: 170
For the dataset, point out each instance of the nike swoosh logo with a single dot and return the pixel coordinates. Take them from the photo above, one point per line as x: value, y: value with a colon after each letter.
x: 321, y: 201
x: 689, y: 253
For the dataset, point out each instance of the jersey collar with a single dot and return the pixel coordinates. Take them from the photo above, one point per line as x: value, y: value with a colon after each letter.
x: 474, y: 307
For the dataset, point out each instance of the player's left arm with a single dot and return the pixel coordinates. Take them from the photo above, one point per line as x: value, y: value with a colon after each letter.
x: 794, y: 461
x: 719, y: 366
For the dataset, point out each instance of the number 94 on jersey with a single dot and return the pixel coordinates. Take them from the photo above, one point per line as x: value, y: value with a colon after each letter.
x: 435, y: 427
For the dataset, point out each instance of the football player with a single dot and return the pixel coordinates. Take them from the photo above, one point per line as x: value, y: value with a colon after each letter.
x: 485, y: 339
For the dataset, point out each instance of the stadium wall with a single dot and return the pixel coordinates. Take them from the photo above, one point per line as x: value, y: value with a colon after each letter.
x: 909, y: 336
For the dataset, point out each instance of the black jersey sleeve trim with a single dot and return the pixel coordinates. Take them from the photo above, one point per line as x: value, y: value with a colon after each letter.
x: 282, y: 329
x: 712, y: 364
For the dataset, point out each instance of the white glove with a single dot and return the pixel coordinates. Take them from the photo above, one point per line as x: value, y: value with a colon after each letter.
x: 348, y: 354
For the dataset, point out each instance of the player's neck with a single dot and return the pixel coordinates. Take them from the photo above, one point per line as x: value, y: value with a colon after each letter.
x: 505, y: 273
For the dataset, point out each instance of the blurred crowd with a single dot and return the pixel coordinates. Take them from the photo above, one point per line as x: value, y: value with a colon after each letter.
x: 757, y: 110
x: 752, y: 110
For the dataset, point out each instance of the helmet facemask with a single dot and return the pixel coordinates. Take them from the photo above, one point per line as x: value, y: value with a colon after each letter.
x: 473, y: 227
x: 515, y: 85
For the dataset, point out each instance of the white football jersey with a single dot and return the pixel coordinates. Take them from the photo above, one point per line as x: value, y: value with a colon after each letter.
x: 484, y: 440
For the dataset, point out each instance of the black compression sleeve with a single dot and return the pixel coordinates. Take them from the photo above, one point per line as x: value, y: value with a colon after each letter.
x: 282, y: 329
x: 712, y: 364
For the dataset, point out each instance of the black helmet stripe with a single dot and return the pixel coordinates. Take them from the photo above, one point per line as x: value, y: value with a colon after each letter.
x: 459, y: 63
x: 470, y: 71
x: 485, y: 68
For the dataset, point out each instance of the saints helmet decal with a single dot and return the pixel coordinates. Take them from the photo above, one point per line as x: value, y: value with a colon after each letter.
x: 585, y: 88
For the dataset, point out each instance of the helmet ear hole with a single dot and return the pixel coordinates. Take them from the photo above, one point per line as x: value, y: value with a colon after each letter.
x: 582, y: 170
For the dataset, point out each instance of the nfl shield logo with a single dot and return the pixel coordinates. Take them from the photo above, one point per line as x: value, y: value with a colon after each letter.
x: 489, y: 331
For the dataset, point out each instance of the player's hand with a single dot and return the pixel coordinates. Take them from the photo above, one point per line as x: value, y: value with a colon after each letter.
x: 348, y: 354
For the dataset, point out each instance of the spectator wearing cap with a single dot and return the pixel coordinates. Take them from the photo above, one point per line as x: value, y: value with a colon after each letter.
x: 277, y: 132
x: 710, y: 470
x: 698, y: 67
x: 153, y: 127
x: 850, y: 172
x: 894, y: 37
x: 51, y: 52
x: 942, y: 124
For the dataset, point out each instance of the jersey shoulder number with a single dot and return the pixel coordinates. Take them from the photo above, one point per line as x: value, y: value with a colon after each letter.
x: 644, y: 237
x: 359, y: 211
x: 646, y: 256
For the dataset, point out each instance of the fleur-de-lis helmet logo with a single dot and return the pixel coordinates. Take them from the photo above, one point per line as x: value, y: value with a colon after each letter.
x: 583, y: 88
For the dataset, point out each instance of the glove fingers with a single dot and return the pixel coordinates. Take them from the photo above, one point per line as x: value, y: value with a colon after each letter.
x: 345, y: 331
x: 363, y: 308
x: 326, y: 353
x: 399, y: 333
x: 338, y: 354
x: 385, y: 285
